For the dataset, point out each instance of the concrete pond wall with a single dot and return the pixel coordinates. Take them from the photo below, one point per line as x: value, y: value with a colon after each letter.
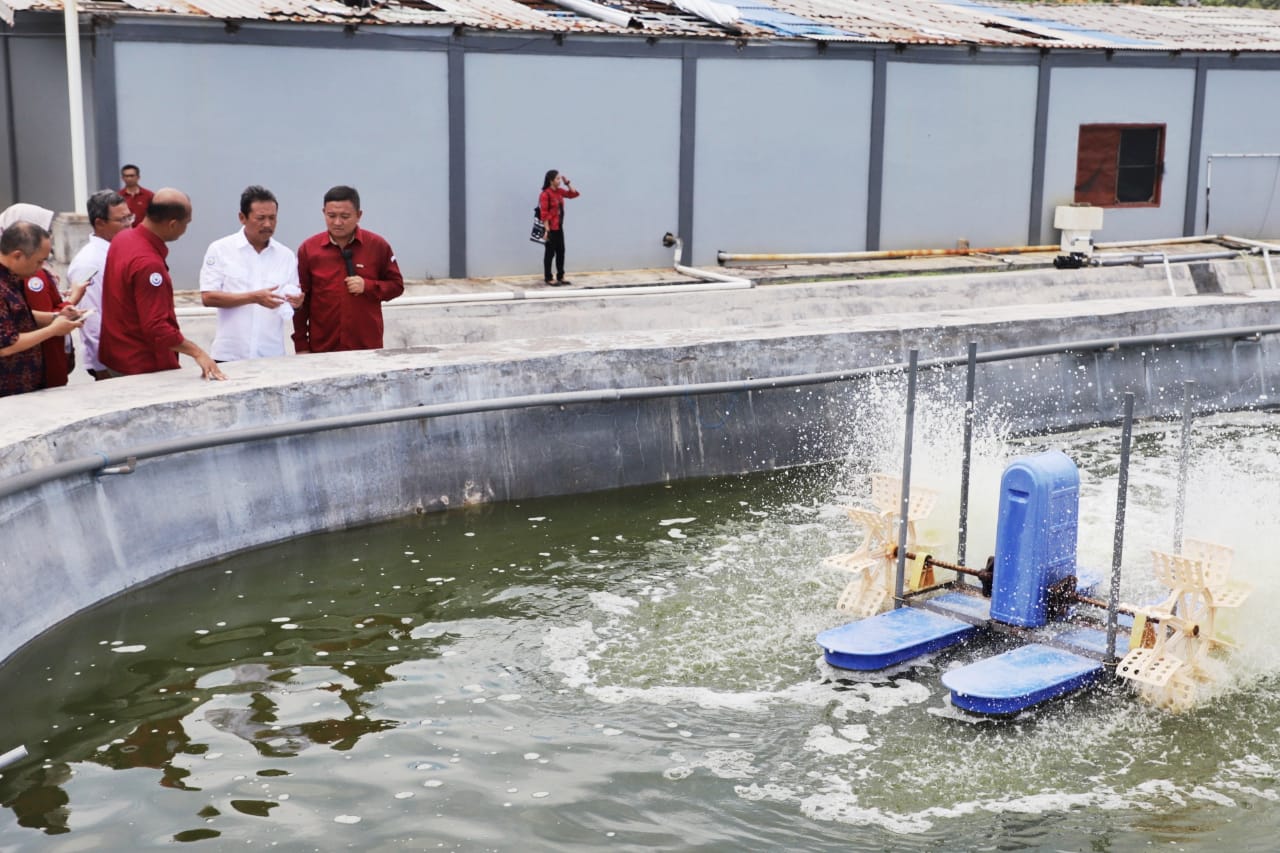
x: 72, y: 542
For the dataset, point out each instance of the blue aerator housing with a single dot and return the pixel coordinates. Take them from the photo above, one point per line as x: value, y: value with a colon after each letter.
x: 1035, y: 536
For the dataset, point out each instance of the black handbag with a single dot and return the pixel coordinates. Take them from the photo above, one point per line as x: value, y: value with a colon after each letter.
x: 539, y: 232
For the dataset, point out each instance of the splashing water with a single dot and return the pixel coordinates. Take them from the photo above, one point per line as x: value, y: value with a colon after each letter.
x: 566, y: 674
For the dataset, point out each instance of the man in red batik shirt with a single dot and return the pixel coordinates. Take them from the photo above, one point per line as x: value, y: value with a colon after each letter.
x: 23, y: 249
x: 346, y: 273
x: 140, y: 331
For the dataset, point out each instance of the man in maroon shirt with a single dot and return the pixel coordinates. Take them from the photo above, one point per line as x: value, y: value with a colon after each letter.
x: 140, y: 331
x: 346, y: 273
x: 135, y: 195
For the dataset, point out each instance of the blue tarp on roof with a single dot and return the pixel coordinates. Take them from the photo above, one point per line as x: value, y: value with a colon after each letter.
x: 786, y: 23
x: 1059, y: 26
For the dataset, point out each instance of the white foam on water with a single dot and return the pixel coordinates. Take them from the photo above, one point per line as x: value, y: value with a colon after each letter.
x: 823, y: 738
x: 128, y: 650
x: 611, y: 603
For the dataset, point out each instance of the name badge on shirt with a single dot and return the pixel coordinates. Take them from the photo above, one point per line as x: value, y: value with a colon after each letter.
x: 35, y: 283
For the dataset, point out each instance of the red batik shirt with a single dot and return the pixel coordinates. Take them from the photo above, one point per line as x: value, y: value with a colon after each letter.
x: 551, y: 206
x: 139, y: 326
x: 331, y: 319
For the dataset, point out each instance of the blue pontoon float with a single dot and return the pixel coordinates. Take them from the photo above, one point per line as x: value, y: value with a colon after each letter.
x: 1034, y: 589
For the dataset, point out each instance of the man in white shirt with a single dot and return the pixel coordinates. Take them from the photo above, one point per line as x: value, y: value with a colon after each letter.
x: 253, y: 282
x: 109, y: 214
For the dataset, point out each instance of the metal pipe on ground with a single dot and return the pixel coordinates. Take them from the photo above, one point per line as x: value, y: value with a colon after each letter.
x: 1159, y: 258
x: 1163, y: 241
x: 894, y: 254
x: 728, y: 283
x: 100, y: 462
x: 881, y: 255
x: 672, y: 240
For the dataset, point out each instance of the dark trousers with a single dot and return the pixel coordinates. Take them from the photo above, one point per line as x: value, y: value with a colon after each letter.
x: 554, y: 249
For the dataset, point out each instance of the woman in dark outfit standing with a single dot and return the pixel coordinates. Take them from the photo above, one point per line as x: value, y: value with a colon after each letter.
x: 555, y: 189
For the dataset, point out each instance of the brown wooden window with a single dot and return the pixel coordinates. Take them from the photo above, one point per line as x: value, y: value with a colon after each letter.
x: 1120, y: 165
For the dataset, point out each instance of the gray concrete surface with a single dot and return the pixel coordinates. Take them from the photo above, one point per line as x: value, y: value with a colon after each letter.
x: 73, y: 542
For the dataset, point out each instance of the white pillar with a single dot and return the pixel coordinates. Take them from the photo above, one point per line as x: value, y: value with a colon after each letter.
x: 75, y: 98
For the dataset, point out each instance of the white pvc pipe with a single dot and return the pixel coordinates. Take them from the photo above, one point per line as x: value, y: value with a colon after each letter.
x: 1166, y: 241
x: 694, y: 272
x: 1208, y: 175
x: 75, y: 99
x: 601, y: 13
x: 642, y: 290
x: 1245, y: 241
x: 13, y: 756
x: 717, y: 283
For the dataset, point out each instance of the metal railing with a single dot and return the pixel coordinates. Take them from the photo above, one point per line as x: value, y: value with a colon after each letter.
x: 122, y: 461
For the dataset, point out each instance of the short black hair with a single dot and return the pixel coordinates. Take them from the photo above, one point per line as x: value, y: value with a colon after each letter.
x: 100, y: 204
x: 255, y: 193
x: 343, y: 193
x: 166, y: 211
x: 127, y: 166
x: 25, y: 237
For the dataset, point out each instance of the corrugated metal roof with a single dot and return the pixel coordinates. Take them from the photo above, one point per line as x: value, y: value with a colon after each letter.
x: 992, y: 23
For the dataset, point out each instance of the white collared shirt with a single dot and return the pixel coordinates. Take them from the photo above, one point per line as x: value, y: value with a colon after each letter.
x: 232, y: 265
x: 87, y: 265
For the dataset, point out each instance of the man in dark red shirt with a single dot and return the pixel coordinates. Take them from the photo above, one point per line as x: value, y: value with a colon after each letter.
x: 140, y: 331
x: 346, y: 273
x: 23, y: 249
x: 135, y: 195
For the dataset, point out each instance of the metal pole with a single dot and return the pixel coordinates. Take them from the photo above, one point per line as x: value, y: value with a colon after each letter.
x: 1122, y: 490
x: 968, y: 450
x: 905, y: 505
x: 75, y: 99
x: 1184, y: 459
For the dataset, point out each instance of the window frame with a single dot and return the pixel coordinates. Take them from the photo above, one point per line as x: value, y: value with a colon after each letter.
x: 1098, y: 157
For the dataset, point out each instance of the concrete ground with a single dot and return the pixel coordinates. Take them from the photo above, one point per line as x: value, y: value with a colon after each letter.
x: 508, y: 308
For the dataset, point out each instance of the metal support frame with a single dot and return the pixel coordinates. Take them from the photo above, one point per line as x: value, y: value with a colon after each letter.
x: 966, y: 459
x: 913, y: 361
x: 1117, y: 550
x: 1184, y: 458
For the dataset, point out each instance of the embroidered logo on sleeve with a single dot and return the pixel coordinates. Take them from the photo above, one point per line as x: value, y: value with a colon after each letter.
x: 35, y: 284
x: 156, y: 279
x: 210, y: 260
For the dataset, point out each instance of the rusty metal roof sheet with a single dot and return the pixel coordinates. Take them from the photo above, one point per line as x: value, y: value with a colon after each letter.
x: 993, y: 23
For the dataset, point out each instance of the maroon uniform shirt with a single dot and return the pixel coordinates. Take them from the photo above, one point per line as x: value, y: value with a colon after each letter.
x: 137, y: 203
x: 23, y: 371
x: 41, y: 292
x: 331, y: 319
x: 139, y: 326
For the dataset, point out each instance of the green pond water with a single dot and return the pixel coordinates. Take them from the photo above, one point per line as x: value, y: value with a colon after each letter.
x: 637, y: 670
